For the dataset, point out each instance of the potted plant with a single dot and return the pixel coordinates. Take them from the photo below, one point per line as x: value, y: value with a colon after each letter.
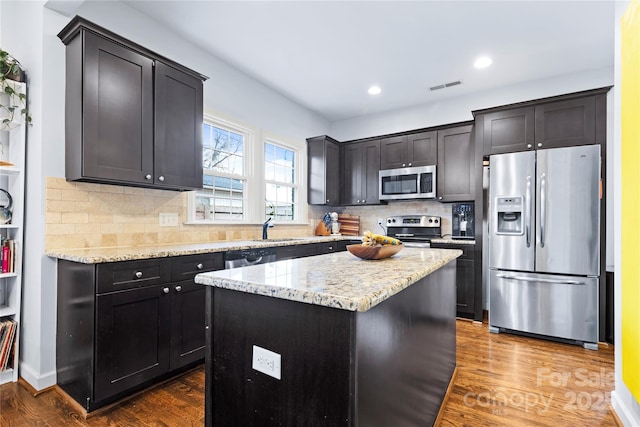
x: 13, y: 106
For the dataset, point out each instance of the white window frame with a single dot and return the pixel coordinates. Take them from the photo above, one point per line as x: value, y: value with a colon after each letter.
x: 249, y: 175
x: 297, y: 178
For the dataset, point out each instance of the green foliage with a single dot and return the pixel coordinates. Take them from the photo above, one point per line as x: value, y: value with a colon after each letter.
x: 11, y: 70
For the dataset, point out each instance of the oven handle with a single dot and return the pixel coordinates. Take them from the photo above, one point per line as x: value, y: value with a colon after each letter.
x: 403, y: 235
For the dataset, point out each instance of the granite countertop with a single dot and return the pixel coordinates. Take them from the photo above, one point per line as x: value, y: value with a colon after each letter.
x: 454, y: 241
x: 339, y: 280
x: 100, y: 255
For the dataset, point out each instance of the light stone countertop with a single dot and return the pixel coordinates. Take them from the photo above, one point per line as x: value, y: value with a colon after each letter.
x: 339, y: 280
x: 449, y: 240
x: 101, y: 255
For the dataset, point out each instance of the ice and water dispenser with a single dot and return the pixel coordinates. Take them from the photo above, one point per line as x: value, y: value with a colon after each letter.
x: 510, y: 215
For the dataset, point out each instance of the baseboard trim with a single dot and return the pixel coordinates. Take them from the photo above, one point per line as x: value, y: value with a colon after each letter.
x: 32, y: 391
x: 37, y: 382
x: 621, y: 412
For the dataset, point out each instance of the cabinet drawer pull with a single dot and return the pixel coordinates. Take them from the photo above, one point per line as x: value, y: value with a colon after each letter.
x: 139, y: 274
x: 165, y: 290
x: 200, y: 266
x: 178, y: 288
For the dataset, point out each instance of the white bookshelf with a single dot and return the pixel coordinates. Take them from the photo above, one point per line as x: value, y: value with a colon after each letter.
x: 12, y: 179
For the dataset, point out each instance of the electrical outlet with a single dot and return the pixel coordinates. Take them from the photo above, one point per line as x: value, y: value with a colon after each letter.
x: 266, y: 361
x: 168, y: 219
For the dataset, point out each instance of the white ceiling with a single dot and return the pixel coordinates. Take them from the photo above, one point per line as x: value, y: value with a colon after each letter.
x: 324, y: 55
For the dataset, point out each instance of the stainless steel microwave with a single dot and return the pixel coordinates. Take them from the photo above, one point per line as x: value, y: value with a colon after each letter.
x: 408, y: 183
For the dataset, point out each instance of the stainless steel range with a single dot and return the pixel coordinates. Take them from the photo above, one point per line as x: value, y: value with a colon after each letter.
x: 414, y: 230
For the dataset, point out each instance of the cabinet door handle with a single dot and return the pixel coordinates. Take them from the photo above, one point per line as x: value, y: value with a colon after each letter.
x: 178, y: 288
x: 528, y: 145
x: 139, y: 274
x: 363, y: 201
x: 409, y: 164
x: 539, y: 144
x: 161, y: 178
x: 165, y: 290
x: 200, y: 266
x: 404, y: 164
x: 147, y: 176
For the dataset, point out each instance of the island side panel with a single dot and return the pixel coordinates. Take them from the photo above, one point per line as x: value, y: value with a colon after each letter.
x: 406, y: 353
x: 315, y: 346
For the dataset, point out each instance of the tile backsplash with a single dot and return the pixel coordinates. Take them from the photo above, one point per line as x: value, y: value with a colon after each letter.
x: 85, y: 215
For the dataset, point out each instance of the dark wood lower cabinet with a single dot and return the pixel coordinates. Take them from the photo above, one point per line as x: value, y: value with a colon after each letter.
x: 132, y: 339
x: 465, y: 278
x: 146, y: 327
x: 187, y: 315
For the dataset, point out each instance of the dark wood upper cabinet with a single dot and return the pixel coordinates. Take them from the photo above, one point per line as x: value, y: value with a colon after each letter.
x: 509, y: 131
x: 561, y: 121
x: 422, y: 149
x: 418, y: 149
x: 178, y: 128
x: 132, y: 117
x: 456, y: 154
x: 394, y: 152
x: 566, y: 123
x: 361, y: 166
x: 323, y: 171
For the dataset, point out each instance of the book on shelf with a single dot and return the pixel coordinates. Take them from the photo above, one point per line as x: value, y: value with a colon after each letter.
x: 7, y: 256
x: 8, y: 328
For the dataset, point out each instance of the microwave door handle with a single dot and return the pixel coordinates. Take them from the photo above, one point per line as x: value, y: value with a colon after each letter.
x: 527, y: 211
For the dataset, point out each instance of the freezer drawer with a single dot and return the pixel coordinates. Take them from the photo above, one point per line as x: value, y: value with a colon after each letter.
x: 556, y: 306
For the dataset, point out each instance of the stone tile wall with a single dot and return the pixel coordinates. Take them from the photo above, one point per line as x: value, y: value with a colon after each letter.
x: 85, y: 215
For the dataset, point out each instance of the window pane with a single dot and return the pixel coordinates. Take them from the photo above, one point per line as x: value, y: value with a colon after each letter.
x: 223, y: 150
x: 226, y: 200
x: 280, y: 167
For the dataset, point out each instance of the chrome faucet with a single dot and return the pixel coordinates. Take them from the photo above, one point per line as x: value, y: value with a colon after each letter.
x: 265, y: 225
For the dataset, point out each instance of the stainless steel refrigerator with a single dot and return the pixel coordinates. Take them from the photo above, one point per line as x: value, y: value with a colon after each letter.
x: 544, y: 242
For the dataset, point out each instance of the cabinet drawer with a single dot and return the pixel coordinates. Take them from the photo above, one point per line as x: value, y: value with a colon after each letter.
x: 186, y: 267
x: 119, y: 276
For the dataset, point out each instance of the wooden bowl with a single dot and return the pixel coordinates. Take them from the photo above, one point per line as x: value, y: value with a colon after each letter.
x: 374, y: 252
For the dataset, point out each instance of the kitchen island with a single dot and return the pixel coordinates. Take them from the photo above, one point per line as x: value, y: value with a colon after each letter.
x: 331, y: 340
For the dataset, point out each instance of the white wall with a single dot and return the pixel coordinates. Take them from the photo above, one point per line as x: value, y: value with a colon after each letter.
x: 623, y: 402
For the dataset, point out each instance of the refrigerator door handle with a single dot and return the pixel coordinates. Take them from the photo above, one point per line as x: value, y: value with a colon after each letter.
x: 543, y: 208
x: 528, y: 213
x: 540, y: 280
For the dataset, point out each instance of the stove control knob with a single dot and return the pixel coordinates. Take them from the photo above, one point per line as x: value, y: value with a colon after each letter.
x: 430, y: 220
x: 435, y: 220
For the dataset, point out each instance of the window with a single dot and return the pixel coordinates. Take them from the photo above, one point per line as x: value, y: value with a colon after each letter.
x: 224, y: 195
x: 245, y: 182
x: 280, y: 182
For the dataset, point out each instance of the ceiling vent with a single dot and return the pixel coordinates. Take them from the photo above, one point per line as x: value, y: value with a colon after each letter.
x: 445, y: 85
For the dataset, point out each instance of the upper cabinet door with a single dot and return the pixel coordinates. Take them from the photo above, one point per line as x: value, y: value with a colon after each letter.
x: 422, y: 149
x: 509, y: 131
x: 116, y: 112
x: 456, y: 153
x: 178, y: 129
x: 394, y: 152
x: 566, y: 123
x: 323, y: 171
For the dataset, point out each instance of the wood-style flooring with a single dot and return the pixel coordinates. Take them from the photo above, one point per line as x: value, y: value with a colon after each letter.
x: 502, y: 380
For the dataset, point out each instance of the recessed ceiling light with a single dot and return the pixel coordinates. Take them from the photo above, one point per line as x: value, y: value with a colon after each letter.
x: 374, y: 90
x: 482, y: 62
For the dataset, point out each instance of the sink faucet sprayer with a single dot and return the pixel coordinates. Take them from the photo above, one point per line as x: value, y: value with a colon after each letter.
x: 265, y: 225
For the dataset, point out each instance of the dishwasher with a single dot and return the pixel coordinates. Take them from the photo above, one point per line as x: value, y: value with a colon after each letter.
x: 246, y: 257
